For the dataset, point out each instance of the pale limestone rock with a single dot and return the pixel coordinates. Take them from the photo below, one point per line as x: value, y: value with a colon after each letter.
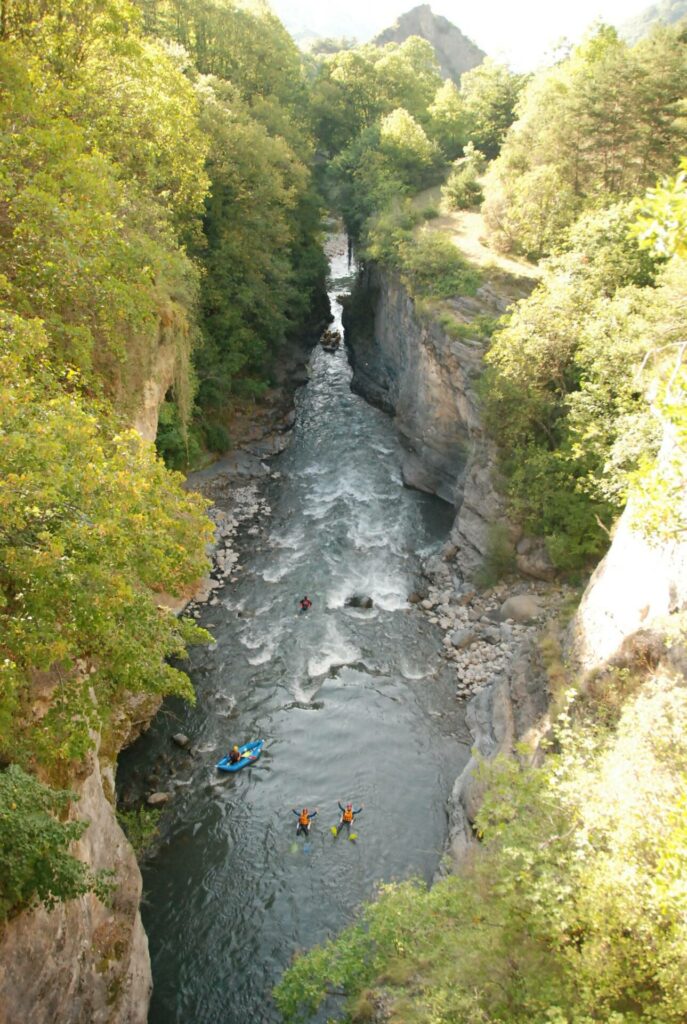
x: 637, y: 584
x: 158, y: 799
x: 154, y: 390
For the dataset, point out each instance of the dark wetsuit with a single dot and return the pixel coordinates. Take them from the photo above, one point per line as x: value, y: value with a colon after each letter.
x: 304, y: 828
x: 347, y: 824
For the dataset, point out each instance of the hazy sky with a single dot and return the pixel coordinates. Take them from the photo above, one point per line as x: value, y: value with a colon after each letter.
x: 520, y: 33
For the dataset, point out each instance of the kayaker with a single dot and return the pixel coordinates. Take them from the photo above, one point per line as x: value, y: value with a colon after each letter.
x: 304, y: 818
x: 306, y: 603
x: 347, y: 814
x: 235, y: 755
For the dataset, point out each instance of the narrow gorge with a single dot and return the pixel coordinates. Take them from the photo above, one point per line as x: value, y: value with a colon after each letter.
x: 342, y: 409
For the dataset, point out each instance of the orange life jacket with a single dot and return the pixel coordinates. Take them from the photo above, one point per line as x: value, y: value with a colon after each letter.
x: 304, y: 818
x: 347, y: 814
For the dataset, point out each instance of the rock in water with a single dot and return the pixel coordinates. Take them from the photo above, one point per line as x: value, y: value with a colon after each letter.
x: 181, y: 740
x: 157, y: 799
x: 358, y: 601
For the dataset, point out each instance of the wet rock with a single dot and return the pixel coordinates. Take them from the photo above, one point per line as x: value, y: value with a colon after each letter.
x: 520, y: 608
x: 181, y: 740
x: 462, y: 638
x: 415, y: 598
x: 359, y: 601
x: 158, y: 799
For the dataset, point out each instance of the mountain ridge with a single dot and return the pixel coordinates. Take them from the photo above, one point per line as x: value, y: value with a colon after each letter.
x: 455, y: 52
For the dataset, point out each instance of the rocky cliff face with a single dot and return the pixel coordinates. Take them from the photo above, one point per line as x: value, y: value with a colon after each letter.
x: 455, y: 52
x: 410, y: 367
x: 83, y: 962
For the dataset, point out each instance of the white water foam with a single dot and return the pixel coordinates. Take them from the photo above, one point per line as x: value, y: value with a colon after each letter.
x: 333, y: 654
x: 263, y: 657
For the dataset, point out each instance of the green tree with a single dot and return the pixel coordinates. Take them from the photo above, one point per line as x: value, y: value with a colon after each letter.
x: 447, y: 120
x: 488, y: 99
x: 37, y: 867
x: 92, y: 526
x: 601, y: 124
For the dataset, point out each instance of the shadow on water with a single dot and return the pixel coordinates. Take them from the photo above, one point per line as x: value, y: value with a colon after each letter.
x: 353, y: 703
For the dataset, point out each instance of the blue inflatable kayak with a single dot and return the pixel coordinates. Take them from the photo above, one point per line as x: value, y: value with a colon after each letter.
x: 250, y: 752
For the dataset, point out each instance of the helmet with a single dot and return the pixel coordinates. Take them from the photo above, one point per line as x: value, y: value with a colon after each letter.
x: 349, y: 806
x: 234, y: 747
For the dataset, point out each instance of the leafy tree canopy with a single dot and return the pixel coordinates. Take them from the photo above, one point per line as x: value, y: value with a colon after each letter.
x: 603, y: 123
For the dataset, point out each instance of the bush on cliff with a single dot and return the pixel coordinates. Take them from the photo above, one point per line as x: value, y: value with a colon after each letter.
x: 564, y: 393
x: 429, y: 264
x: 92, y: 526
x: 37, y: 867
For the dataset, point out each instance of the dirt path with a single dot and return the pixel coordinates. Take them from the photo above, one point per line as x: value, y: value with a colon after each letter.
x: 468, y: 233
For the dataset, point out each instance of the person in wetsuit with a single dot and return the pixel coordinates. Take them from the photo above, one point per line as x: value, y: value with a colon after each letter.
x: 306, y: 603
x: 235, y: 755
x: 347, y: 816
x: 304, y: 818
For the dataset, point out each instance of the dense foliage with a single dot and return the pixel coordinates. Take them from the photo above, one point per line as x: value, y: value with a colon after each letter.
x: 565, y: 394
x: 574, y: 911
x: 602, y: 124
x: 390, y: 125
x: 34, y: 846
x: 263, y: 267
x: 92, y: 525
x: 155, y: 199
x: 92, y: 227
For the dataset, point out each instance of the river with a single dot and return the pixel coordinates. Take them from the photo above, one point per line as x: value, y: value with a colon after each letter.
x: 354, y: 704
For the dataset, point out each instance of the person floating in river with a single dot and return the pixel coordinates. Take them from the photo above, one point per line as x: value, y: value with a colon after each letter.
x: 304, y: 818
x: 306, y: 603
x: 235, y: 755
x: 347, y: 816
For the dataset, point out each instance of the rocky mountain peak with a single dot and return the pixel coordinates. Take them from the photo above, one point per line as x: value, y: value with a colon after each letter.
x: 455, y: 52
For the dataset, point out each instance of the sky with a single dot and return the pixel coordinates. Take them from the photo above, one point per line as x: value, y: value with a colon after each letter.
x: 522, y: 34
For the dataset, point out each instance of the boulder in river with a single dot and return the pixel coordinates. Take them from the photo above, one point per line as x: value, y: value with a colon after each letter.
x: 181, y: 740
x: 359, y: 601
x: 157, y: 799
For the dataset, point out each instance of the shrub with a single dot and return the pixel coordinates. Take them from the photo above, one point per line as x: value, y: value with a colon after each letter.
x: 178, y: 447
x: 462, y: 190
x: 217, y: 437
x: 499, y: 559
x: 433, y: 267
x: 141, y: 827
x: 34, y: 846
